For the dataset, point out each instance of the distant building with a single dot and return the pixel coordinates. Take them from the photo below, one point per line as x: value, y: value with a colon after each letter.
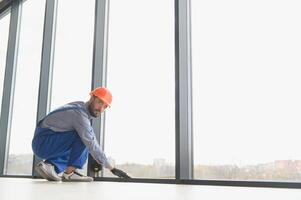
x: 285, y: 164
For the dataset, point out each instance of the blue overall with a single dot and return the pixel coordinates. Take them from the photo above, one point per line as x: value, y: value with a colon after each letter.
x: 61, y: 149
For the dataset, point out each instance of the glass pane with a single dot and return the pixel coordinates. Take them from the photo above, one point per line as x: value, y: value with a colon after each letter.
x: 246, y: 81
x: 26, y: 88
x: 140, y: 129
x: 4, y: 31
x: 73, y: 52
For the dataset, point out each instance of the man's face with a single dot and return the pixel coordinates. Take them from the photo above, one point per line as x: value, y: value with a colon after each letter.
x: 96, y: 106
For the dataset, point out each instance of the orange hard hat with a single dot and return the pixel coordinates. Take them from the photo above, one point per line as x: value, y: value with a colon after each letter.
x: 103, y: 94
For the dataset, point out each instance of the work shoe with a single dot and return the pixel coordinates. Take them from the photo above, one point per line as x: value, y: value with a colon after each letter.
x: 46, y: 170
x: 76, y: 177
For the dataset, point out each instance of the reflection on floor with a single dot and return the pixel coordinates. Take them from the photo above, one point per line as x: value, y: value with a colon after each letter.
x: 37, y: 189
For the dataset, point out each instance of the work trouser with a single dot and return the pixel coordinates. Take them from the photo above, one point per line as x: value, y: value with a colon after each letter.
x: 61, y: 149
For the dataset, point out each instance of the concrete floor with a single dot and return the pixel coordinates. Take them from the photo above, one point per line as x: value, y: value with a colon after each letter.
x: 37, y: 189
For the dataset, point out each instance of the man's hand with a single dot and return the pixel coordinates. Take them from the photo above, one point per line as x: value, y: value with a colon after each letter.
x: 120, y: 173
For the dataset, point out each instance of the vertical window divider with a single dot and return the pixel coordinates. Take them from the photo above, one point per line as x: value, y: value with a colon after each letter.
x: 99, y: 68
x: 183, y: 78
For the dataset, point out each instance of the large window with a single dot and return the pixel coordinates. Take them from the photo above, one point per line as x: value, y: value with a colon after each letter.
x: 140, y: 128
x: 73, y: 52
x: 4, y: 31
x: 246, y: 86
x: 26, y: 88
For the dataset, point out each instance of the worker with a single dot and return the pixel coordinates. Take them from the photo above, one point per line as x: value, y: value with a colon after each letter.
x: 64, y: 138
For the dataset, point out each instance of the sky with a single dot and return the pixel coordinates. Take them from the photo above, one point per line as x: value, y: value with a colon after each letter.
x: 246, y: 85
x: 246, y: 80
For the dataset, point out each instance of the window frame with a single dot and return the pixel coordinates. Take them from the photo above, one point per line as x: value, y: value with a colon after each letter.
x: 183, y: 90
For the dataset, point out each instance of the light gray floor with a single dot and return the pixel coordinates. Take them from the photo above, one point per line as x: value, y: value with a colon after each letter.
x: 33, y: 189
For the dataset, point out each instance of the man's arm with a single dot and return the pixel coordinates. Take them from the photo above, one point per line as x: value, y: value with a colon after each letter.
x: 86, y: 133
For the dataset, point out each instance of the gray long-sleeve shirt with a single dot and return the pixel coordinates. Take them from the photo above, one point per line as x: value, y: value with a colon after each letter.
x: 78, y: 120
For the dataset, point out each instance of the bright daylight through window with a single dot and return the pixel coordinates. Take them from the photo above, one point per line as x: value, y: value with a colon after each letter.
x: 140, y: 128
x: 4, y: 29
x: 26, y: 88
x: 72, y: 69
x: 246, y: 89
